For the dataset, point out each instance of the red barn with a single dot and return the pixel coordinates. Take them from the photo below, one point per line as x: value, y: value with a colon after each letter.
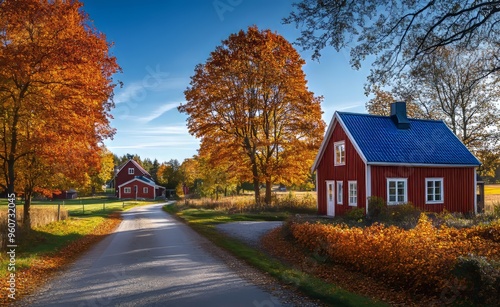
x: 133, y: 181
x: 398, y: 159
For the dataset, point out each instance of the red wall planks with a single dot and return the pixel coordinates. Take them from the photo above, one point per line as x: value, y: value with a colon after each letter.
x: 458, y: 185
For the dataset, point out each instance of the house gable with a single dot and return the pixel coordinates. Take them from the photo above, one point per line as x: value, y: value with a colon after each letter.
x: 131, y: 164
x: 352, y: 170
x: 336, y: 120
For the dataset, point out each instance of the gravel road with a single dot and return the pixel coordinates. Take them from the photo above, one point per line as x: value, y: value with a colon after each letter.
x: 250, y: 232
x: 151, y: 260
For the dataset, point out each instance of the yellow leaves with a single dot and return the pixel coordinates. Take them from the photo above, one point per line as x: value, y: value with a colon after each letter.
x: 420, y: 258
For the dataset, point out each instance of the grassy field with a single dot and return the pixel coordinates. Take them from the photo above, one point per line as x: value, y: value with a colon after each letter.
x: 492, y: 196
x: 296, y: 202
x: 82, y: 206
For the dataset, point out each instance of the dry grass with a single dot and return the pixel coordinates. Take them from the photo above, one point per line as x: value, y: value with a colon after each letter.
x: 40, y: 216
x: 491, y: 197
x: 296, y: 202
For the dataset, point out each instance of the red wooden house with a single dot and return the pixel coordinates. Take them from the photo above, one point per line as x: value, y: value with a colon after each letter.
x: 133, y: 181
x: 398, y: 159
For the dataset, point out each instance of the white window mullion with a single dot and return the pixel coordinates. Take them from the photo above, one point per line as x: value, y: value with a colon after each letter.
x: 340, y: 192
x: 353, y: 193
x: 339, y: 153
x: 434, y: 191
x: 397, y: 191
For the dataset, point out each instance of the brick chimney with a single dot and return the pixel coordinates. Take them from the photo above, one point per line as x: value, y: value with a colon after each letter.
x: 398, y: 115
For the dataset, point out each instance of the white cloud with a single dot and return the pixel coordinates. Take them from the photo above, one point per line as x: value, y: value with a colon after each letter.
x: 137, y: 91
x: 159, y: 130
x: 129, y: 93
x: 153, y: 115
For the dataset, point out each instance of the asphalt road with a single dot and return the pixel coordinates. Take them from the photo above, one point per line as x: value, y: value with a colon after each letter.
x: 151, y: 260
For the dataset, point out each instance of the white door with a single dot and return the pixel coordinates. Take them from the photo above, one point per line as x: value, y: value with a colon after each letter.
x: 330, y: 200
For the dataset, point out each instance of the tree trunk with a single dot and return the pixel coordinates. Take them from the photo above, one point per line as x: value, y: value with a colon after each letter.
x: 10, y: 176
x: 256, y: 189
x: 26, y: 213
x: 268, y: 192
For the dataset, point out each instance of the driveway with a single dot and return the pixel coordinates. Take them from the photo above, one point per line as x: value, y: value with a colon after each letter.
x: 249, y: 232
x: 152, y: 260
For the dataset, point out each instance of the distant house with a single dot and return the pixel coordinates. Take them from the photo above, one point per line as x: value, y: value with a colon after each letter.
x: 67, y: 194
x: 133, y: 181
x: 398, y: 159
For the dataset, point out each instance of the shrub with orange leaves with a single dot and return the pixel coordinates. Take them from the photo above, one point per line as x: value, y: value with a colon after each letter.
x: 420, y: 259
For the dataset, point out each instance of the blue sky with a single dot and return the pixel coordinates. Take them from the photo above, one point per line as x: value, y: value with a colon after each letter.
x: 159, y: 43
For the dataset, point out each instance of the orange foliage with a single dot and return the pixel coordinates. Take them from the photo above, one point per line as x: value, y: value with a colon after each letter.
x: 55, y: 86
x: 250, y: 105
x: 420, y: 259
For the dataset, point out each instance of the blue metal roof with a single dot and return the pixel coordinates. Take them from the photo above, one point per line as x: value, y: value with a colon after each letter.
x: 425, y: 142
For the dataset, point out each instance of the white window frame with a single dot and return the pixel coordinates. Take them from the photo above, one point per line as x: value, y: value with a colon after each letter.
x: 441, y: 194
x: 145, y: 190
x: 131, y: 171
x: 353, y: 193
x: 127, y: 190
x: 339, y: 187
x: 339, y: 159
x: 405, y: 191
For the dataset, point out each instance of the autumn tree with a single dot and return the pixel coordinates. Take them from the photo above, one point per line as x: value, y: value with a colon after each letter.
x: 103, y: 173
x: 398, y: 32
x: 168, y: 174
x: 188, y: 174
x: 250, y: 101
x: 447, y: 86
x: 55, y: 89
x: 218, y: 172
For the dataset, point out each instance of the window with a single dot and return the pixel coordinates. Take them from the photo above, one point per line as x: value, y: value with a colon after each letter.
x: 127, y: 190
x: 339, y: 153
x: 131, y: 171
x: 340, y: 192
x: 397, y: 191
x: 330, y: 192
x: 353, y: 193
x: 145, y: 190
x: 434, y: 190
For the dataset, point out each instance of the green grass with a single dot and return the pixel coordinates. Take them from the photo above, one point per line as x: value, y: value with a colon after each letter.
x: 84, y: 206
x: 50, y: 238
x: 204, y: 221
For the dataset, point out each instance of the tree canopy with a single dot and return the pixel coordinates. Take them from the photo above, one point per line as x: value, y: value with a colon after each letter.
x: 55, y: 89
x: 447, y: 86
x: 398, y: 32
x: 250, y: 105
